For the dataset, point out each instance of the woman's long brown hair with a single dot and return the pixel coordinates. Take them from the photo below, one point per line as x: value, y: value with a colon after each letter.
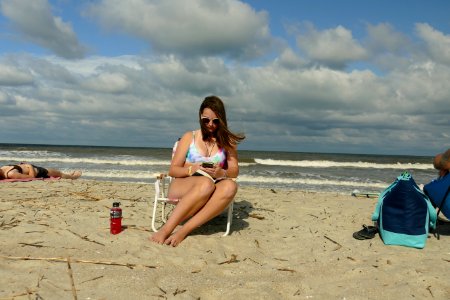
x: 224, y: 137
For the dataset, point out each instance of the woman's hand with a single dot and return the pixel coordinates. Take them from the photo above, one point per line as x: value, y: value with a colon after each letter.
x: 215, y: 172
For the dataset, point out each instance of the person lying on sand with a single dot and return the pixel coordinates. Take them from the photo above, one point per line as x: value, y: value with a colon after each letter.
x: 24, y: 170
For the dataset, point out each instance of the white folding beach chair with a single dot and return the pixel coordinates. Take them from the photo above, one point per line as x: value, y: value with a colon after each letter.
x: 161, y: 188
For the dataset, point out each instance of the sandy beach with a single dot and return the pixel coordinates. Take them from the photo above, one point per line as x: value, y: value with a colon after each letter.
x: 56, y: 244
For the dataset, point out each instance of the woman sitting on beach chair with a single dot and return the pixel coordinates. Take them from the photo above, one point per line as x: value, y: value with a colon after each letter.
x: 212, y: 149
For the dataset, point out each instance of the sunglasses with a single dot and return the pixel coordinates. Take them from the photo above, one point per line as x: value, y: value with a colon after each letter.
x: 206, y: 121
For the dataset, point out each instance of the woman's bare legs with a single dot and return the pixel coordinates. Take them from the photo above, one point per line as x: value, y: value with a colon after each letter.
x: 222, y: 196
x: 193, y: 193
x: 57, y: 173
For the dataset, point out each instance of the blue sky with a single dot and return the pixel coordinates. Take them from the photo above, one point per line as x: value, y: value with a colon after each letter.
x: 315, y: 76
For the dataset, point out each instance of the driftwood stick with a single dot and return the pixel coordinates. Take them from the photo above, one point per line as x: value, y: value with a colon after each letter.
x: 286, y: 270
x: 339, y: 246
x: 34, y: 258
x: 98, y: 262
x: 69, y: 270
x: 231, y: 260
x: 256, y: 216
x: 86, y: 195
x: 39, y: 297
x: 40, y: 278
x: 28, y: 292
x: 85, y: 238
x: 92, y: 279
x: 36, y: 244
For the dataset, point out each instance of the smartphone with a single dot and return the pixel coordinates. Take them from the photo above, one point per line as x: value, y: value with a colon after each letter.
x: 208, y: 165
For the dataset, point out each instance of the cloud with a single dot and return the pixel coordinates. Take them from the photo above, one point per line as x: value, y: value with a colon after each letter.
x: 14, y: 76
x: 305, y: 98
x: 334, y: 47
x: 191, y: 28
x: 5, y: 100
x: 384, y: 38
x: 108, y: 83
x: 388, y: 49
x: 282, y: 108
x: 290, y: 60
x: 436, y: 43
x: 35, y: 21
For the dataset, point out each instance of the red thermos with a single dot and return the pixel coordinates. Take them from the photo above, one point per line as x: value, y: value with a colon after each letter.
x: 116, y: 218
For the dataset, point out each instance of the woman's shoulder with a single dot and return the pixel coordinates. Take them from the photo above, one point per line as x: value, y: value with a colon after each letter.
x: 191, y: 134
x: 186, y: 138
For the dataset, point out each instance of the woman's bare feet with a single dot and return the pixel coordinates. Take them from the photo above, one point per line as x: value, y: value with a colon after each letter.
x: 176, y: 238
x: 75, y: 174
x: 159, y: 236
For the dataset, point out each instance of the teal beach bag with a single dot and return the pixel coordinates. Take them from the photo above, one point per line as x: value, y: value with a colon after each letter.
x: 404, y: 214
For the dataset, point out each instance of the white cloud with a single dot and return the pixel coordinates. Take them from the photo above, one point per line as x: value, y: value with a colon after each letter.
x: 190, y: 28
x: 304, y: 99
x: 35, y: 21
x: 384, y: 38
x: 437, y: 44
x: 4, y: 98
x: 13, y: 76
x: 107, y: 83
x: 299, y: 108
x: 389, y: 49
x: 334, y: 47
x: 290, y: 60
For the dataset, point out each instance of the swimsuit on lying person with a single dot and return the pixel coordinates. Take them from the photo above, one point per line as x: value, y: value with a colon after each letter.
x: 194, y: 156
x: 14, y: 167
x: 41, y: 172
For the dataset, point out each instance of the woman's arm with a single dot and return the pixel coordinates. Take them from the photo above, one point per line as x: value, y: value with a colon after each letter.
x: 17, y: 175
x: 31, y: 170
x: 179, y: 167
x: 232, y: 162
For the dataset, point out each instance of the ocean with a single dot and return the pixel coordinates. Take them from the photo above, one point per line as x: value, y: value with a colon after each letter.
x: 342, y: 173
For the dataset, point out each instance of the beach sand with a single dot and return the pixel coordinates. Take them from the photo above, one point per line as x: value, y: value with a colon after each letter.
x: 283, y: 245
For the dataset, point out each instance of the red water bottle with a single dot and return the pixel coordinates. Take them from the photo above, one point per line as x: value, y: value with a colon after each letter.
x: 116, y: 218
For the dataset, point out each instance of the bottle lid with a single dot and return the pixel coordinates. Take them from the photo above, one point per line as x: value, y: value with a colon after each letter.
x: 116, y: 204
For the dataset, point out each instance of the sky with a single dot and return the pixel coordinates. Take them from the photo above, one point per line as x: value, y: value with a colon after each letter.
x: 369, y: 77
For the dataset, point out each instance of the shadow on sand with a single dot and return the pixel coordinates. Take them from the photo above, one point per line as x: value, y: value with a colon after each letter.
x: 241, y: 211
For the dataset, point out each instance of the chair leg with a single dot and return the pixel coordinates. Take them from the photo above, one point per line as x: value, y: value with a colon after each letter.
x: 155, y: 204
x: 229, y: 218
x: 163, y: 212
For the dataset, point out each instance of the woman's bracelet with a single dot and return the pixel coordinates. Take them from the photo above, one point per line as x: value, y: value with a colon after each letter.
x: 190, y: 170
x: 224, y: 173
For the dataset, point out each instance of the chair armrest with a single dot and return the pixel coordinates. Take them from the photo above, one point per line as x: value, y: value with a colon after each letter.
x: 161, y: 176
x: 162, y: 184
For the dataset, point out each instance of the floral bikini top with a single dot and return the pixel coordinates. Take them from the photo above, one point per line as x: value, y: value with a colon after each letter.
x: 194, y: 156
